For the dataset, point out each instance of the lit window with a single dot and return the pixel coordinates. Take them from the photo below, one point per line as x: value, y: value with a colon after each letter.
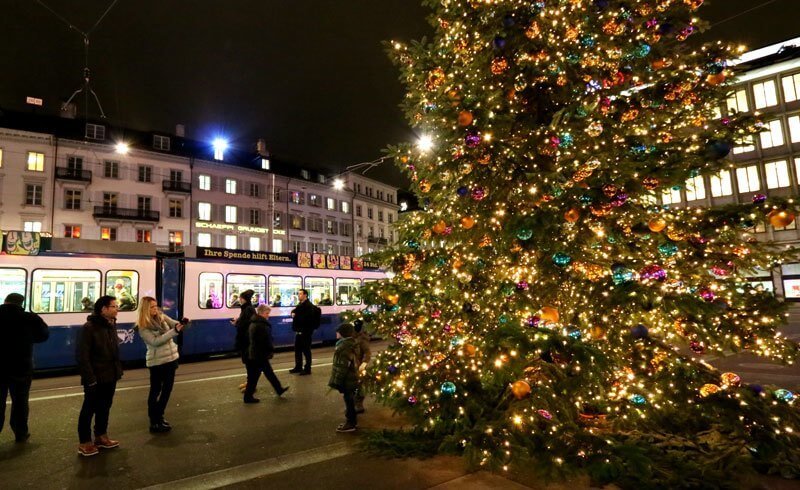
x: 204, y: 211
x: 204, y: 239
x: 305, y: 174
x: 721, y: 184
x: 345, y: 207
x: 314, y: 200
x: 72, y: 231
x: 35, y: 161
x: 265, y: 164
x: 777, y: 174
x: 204, y: 182
x: 765, y: 94
x: 791, y: 87
x: 176, y: 238
x: 695, y: 189
x: 1, y: 157
x: 748, y: 145
x: 230, y: 242
x: 747, y: 178
x: 230, y: 214
x: 255, y: 244
x: 794, y: 129
x: 773, y: 136
x: 330, y: 204
x: 32, y: 226
x: 108, y: 233
x: 230, y: 186
x: 143, y: 236
x: 277, y: 245
x: 738, y: 102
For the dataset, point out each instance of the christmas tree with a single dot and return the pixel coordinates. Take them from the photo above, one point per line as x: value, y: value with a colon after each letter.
x: 545, y: 305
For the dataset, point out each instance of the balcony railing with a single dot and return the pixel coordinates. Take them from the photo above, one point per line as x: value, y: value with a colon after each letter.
x: 176, y: 186
x: 131, y: 214
x: 78, y: 174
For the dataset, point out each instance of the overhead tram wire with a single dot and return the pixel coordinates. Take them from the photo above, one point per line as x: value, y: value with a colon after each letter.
x: 86, y: 88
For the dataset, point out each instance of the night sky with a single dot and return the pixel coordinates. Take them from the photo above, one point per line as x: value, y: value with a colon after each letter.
x: 311, y: 77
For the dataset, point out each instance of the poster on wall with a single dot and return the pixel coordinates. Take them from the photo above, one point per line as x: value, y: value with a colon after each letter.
x: 791, y: 288
x: 303, y: 259
x: 22, y: 243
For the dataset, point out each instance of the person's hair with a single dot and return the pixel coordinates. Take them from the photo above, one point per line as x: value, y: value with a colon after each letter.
x: 346, y: 330
x: 102, y: 302
x: 304, y: 291
x: 143, y: 317
x: 246, y: 295
x: 262, y: 308
x: 15, y: 299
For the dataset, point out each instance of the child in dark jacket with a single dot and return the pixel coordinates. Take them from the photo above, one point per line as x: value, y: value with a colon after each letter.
x: 344, y: 374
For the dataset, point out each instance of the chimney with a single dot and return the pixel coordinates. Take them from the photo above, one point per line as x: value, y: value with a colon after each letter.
x: 68, y: 110
x: 261, y: 147
x: 180, y: 130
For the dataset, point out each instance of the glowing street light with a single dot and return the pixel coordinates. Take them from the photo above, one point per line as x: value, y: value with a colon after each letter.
x: 122, y: 148
x: 220, y: 145
x: 338, y: 184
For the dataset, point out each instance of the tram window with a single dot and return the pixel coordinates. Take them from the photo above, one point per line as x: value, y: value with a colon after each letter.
x: 123, y: 285
x: 348, y: 292
x: 12, y: 281
x: 209, y: 290
x: 236, y: 283
x: 64, y: 291
x: 283, y: 290
x: 370, y: 280
x: 320, y: 290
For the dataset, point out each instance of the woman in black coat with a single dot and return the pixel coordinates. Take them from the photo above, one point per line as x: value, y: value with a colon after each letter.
x: 260, y: 351
x: 242, y: 324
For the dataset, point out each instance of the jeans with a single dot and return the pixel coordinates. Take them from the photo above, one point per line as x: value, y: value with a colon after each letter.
x: 162, y: 377
x: 254, y: 370
x: 302, y: 347
x: 97, y: 401
x: 20, y: 388
x: 349, y: 405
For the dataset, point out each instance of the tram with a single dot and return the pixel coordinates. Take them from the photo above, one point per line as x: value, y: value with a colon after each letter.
x: 203, y: 286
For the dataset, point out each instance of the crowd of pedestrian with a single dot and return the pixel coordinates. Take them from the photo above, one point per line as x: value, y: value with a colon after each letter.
x: 97, y: 354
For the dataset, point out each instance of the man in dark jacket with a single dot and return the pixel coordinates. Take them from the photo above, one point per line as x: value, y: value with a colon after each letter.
x: 21, y: 330
x: 305, y: 319
x: 242, y: 325
x: 260, y: 351
x: 100, y: 368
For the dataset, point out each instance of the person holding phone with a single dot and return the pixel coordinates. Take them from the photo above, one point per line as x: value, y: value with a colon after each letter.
x: 158, y: 332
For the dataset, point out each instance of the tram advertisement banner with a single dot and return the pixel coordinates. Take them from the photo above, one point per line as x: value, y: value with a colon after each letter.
x: 22, y: 243
x: 318, y: 261
x: 333, y: 261
x: 345, y: 263
x: 244, y: 255
x: 303, y: 259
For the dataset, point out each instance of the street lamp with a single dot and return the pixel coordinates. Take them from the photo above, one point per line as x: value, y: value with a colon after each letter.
x: 122, y: 148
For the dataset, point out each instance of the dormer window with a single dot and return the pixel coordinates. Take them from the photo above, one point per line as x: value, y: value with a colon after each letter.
x: 161, y: 142
x: 95, y: 131
x: 305, y: 174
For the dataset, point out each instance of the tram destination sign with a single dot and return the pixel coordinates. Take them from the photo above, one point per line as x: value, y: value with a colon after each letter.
x: 245, y: 255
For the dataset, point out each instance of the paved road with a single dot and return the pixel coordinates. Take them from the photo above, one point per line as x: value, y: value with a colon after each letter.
x: 218, y: 441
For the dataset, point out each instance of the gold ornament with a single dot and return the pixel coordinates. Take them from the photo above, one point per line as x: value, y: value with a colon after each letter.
x: 657, y: 224
x: 708, y: 390
x: 780, y: 218
x: 730, y: 379
x: 435, y: 79
x: 520, y: 389
x: 674, y: 234
x: 549, y: 314
x: 650, y: 183
x: 533, y: 30
x: 467, y: 222
x: 465, y: 118
x: 424, y: 185
x: 439, y: 227
x: 597, y: 332
x: 470, y: 350
x: 499, y: 65
x: 572, y: 215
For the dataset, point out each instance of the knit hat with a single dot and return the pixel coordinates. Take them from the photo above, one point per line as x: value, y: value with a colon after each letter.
x: 15, y: 299
x: 246, y: 295
x: 345, y: 330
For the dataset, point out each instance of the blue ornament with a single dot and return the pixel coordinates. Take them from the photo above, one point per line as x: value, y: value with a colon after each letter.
x: 756, y: 388
x: 668, y: 249
x: 499, y: 43
x: 639, y: 332
x: 694, y: 172
x: 574, y: 334
x: 637, y: 399
x: 412, y: 244
x: 717, y: 149
x: 621, y: 274
x: 612, y: 239
x: 448, y: 388
x: 566, y: 140
x: 585, y: 199
x: 508, y: 21
x: 587, y: 41
x: 641, y: 50
x: 441, y: 262
x: 676, y: 187
x: 561, y: 259
x: 573, y: 58
x: 392, y: 369
x: 503, y: 319
x: 524, y: 234
x: 784, y: 395
x: 462, y: 191
x: 456, y: 341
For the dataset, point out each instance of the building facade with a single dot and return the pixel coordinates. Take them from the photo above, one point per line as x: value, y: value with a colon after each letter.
x: 90, y: 180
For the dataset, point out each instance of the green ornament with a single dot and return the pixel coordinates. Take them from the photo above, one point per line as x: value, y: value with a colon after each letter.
x: 668, y: 249
x: 448, y: 388
x: 561, y: 259
x: 524, y: 234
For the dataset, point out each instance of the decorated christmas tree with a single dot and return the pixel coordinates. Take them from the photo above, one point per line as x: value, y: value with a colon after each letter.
x: 546, y: 305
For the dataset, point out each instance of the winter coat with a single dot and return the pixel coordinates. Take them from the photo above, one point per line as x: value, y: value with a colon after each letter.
x: 305, y: 318
x: 363, y: 354
x: 261, y: 347
x: 98, y: 351
x: 242, y: 325
x: 20, y: 330
x: 344, y: 374
x: 158, y: 338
